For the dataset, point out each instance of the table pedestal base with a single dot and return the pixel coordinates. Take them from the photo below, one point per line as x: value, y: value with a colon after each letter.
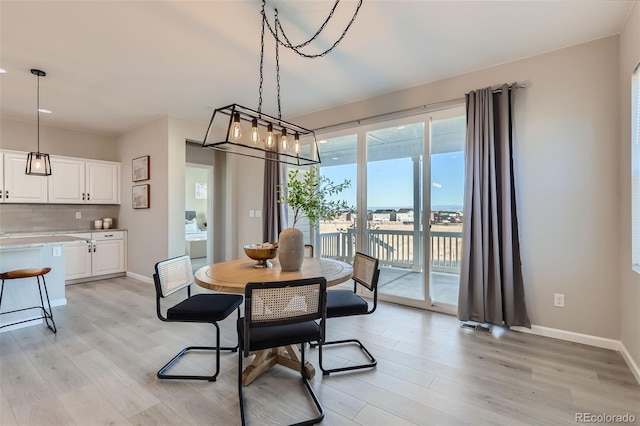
x: 289, y: 356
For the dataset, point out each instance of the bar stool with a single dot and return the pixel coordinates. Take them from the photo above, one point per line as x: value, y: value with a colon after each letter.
x: 30, y: 273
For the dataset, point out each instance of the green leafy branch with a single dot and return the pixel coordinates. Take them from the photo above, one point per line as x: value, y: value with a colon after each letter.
x: 309, y: 196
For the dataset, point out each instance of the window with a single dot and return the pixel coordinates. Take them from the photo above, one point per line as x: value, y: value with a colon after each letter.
x: 635, y: 169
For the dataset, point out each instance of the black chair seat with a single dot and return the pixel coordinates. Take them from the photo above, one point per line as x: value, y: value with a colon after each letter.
x: 281, y: 335
x: 342, y: 303
x: 205, y: 307
x: 174, y: 275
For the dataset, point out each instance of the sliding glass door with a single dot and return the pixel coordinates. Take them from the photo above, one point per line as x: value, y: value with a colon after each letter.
x: 398, y: 170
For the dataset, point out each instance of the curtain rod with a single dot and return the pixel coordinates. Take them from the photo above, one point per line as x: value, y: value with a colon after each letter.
x: 404, y: 112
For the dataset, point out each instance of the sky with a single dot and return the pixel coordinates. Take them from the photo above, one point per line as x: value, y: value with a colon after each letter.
x: 391, y: 182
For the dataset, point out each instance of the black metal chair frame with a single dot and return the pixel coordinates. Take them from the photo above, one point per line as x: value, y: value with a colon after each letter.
x: 370, y: 286
x: 46, y: 315
x: 217, y: 348
x: 247, y: 326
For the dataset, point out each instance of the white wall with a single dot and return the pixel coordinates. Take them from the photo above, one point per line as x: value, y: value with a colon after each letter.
x: 23, y: 136
x: 148, y: 240
x: 567, y: 165
x: 629, y: 280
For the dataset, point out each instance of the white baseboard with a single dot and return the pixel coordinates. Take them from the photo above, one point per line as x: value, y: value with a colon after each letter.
x: 59, y: 302
x: 630, y: 362
x: 570, y: 336
x: 586, y: 339
x: 139, y: 277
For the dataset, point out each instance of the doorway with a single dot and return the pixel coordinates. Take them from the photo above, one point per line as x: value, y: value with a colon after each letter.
x: 198, y: 213
x: 399, y: 170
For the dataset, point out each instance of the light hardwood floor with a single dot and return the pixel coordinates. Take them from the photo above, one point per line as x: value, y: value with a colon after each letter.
x: 101, y: 369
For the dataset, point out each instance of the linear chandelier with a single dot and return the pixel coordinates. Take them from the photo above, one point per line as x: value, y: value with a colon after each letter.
x: 240, y: 130
x: 38, y: 164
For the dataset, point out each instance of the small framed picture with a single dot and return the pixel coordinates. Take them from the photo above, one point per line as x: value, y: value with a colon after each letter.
x: 140, y: 168
x: 140, y: 196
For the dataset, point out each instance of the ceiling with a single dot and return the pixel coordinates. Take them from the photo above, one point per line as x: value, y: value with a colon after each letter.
x: 115, y: 65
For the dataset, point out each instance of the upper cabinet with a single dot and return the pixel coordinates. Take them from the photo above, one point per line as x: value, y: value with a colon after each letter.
x: 72, y: 181
x: 76, y: 181
x: 102, y: 182
x: 19, y: 187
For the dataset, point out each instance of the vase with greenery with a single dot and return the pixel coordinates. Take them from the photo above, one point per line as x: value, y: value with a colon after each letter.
x: 309, y: 195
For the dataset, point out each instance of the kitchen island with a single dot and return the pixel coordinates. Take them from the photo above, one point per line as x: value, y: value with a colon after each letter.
x: 32, y: 252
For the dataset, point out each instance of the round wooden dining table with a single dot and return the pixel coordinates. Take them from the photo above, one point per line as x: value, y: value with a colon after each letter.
x: 232, y: 277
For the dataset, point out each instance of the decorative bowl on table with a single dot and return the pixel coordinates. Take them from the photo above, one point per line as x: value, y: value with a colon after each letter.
x: 262, y: 253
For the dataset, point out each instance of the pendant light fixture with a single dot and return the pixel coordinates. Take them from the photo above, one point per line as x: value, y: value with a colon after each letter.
x: 268, y: 137
x: 38, y: 164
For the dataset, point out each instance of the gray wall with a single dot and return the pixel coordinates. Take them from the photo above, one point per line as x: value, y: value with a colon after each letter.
x: 629, y: 280
x: 567, y: 165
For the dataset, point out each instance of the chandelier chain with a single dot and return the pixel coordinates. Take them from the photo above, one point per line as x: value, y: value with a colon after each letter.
x: 278, y: 67
x: 296, y: 48
x: 261, y: 65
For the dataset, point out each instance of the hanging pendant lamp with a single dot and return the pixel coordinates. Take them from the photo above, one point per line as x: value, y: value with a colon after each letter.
x: 269, y: 137
x: 38, y: 164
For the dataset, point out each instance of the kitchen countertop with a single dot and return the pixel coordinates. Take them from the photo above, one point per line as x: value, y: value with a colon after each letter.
x: 37, y: 241
x: 22, y: 234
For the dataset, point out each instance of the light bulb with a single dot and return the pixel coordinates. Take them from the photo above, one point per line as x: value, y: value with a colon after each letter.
x: 284, y: 140
x: 38, y: 163
x: 236, y: 130
x: 255, y: 136
x: 296, y: 143
x: 269, y: 141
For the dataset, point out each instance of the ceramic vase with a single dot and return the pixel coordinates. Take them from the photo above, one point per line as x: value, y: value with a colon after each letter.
x: 291, y: 249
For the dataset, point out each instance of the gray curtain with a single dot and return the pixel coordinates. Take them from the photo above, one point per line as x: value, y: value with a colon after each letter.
x: 491, y: 285
x: 274, y: 217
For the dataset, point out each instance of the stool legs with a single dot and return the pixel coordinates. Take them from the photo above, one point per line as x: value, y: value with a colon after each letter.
x: 47, y: 315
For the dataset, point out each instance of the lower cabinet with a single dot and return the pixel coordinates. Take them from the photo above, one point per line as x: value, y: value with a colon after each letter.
x: 103, y: 254
x: 108, y: 253
x: 77, y: 258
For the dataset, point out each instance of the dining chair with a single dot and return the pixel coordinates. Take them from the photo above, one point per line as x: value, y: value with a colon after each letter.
x: 279, y: 314
x: 343, y: 303
x: 173, y: 275
x: 308, y: 250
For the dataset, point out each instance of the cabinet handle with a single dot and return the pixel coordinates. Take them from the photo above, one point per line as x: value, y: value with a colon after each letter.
x: 89, y: 247
x: 88, y: 196
x: 83, y: 196
x: 6, y: 194
x: 0, y: 193
x: 108, y: 235
x: 94, y: 248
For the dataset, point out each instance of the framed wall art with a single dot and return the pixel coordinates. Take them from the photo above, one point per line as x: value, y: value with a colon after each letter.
x: 140, y: 196
x: 140, y: 168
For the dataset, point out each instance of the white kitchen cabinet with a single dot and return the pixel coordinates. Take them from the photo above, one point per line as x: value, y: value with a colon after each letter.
x: 102, y: 182
x: 77, y: 258
x: 104, y: 254
x: 108, y: 253
x: 67, y: 181
x: 19, y: 187
x: 78, y: 181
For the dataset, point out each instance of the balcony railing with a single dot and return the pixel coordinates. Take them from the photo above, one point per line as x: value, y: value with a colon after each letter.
x: 396, y: 248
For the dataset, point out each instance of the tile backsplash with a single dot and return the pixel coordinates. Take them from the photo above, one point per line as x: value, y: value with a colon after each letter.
x: 53, y: 217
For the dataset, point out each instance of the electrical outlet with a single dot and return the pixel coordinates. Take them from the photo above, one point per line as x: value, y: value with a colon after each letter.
x: 558, y: 300
x: 78, y: 215
x: 57, y: 251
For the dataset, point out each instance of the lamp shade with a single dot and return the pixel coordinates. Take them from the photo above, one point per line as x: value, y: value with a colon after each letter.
x: 223, y: 134
x: 38, y: 164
